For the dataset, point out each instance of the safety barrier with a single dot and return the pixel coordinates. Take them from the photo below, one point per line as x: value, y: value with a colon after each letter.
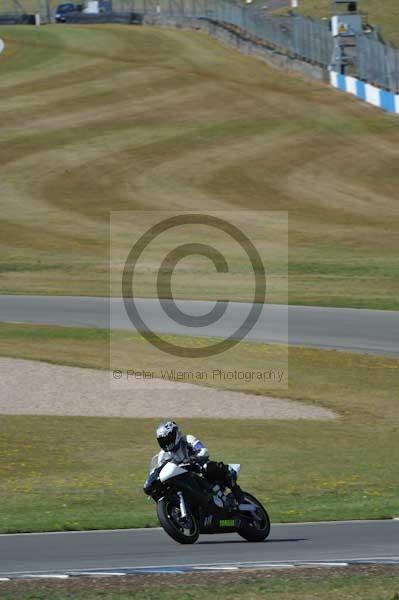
x: 388, y: 101
x: 16, y: 19
x: 131, y: 18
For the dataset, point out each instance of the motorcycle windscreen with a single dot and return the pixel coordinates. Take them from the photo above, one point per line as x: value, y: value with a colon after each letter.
x: 153, y: 463
x: 171, y: 470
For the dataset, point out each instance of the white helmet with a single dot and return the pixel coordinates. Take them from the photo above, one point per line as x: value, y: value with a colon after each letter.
x: 168, y: 436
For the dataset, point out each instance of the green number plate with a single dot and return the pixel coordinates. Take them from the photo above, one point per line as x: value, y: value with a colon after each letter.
x: 226, y: 523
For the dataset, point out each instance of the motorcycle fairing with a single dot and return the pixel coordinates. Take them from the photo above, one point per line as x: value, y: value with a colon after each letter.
x: 171, y: 470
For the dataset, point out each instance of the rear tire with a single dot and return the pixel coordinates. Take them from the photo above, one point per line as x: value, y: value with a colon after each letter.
x: 167, y: 509
x: 257, y: 531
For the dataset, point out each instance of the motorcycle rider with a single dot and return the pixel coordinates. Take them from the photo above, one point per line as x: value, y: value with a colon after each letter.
x: 187, y: 448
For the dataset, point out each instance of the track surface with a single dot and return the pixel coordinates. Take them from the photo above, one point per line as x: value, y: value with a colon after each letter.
x: 335, y: 541
x: 354, y: 330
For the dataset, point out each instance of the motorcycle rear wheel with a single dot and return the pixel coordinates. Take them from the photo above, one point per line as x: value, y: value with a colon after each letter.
x: 255, y: 531
x: 167, y: 511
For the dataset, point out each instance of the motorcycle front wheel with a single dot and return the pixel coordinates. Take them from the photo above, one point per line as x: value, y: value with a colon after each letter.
x: 184, y: 531
x: 258, y: 529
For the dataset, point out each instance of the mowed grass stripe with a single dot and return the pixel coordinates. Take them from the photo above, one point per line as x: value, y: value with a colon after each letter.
x: 116, y: 118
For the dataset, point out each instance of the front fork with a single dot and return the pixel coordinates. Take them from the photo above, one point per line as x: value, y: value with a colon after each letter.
x: 183, y: 509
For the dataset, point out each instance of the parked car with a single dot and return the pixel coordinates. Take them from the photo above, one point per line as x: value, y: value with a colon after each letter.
x: 63, y: 10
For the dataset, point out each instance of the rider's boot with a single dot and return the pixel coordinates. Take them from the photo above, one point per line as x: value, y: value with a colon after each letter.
x: 215, y: 505
x: 215, y: 500
x: 218, y: 496
x: 231, y: 481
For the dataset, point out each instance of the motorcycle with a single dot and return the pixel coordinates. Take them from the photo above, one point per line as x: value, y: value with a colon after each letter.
x: 186, y: 507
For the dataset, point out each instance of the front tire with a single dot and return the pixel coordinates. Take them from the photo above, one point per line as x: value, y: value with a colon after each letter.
x: 259, y: 529
x: 168, y: 512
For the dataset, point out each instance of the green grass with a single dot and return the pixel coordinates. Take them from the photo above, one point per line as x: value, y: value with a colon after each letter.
x: 384, y: 13
x: 60, y: 473
x: 28, y: 6
x: 68, y: 473
x: 353, y: 583
x: 115, y: 118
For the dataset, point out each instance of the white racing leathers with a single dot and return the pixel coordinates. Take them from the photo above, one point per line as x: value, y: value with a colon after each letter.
x: 215, y: 472
x: 189, y: 447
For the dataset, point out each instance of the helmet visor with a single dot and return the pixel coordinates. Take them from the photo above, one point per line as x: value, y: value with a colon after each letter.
x: 169, y: 441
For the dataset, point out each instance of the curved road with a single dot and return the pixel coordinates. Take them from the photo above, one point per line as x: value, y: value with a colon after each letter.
x: 353, y: 330
x: 137, y: 550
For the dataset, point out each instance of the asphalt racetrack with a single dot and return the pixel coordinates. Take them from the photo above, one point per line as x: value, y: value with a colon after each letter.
x: 353, y: 330
x: 151, y: 550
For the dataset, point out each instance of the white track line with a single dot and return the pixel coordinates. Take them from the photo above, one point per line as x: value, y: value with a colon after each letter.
x: 276, y: 565
x: 325, y: 564
x: 221, y: 568
x: 96, y: 573
x: 252, y: 564
x: 81, y: 531
x: 2, y: 46
x: 48, y: 576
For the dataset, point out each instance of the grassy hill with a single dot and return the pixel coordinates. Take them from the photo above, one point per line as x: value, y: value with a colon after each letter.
x: 110, y: 117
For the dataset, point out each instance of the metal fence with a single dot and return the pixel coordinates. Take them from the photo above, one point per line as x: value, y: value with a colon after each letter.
x: 304, y: 38
x: 378, y: 63
x: 311, y: 40
x: 17, y: 10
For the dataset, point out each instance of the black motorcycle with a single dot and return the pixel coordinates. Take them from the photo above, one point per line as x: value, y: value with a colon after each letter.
x: 185, y: 505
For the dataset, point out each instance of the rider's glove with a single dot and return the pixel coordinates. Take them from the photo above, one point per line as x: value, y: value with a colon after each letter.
x: 196, y: 466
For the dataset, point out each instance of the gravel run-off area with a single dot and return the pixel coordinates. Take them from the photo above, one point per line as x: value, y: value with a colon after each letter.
x: 38, y: 388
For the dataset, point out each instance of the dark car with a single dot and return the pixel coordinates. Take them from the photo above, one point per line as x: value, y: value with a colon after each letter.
x: 63, y: 10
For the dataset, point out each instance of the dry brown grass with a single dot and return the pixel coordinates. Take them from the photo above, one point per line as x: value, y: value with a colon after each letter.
x: 112, y: 118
